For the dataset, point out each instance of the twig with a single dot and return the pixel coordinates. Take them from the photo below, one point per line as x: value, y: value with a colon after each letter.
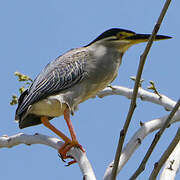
x: 79, y: 156
x: 153, y: 87
x: 165, y: 156
x: 155, y: 141
x: 136, y: 86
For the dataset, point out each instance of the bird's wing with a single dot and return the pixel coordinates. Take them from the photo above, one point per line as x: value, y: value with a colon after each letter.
x: 57, y: 76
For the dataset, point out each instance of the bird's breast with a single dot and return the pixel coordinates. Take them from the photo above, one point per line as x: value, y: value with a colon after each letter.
x: 52, y: 106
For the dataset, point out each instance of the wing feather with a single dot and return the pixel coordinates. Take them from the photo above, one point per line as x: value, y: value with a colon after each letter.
x: 57, y: 76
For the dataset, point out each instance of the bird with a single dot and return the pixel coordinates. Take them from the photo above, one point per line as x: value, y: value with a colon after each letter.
x: 72, y: 78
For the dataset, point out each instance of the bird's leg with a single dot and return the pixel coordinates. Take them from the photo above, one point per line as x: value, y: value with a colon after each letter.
x: 68, y: 142
x: 64, y: 148
x: 71, y: 129
x: 70, y: 126
x: 74, y: 143
x: 46, y: 123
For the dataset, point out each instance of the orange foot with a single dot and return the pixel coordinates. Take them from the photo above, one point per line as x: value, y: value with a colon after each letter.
x: 66, y: 147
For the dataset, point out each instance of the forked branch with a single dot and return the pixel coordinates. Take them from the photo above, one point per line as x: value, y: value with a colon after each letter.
x: 136, y: 86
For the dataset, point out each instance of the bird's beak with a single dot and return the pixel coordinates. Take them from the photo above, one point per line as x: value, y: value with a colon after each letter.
x: 140, y: 38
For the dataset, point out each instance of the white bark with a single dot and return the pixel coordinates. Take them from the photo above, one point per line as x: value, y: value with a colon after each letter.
x: 132, y: 145
x: 79, y: 156
x: 144, y: 95
x: 172, y: 165
x: 147, y: 127
x: 136, y: 141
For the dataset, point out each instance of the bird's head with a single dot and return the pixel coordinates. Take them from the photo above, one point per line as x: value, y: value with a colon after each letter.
x: 122, y: 39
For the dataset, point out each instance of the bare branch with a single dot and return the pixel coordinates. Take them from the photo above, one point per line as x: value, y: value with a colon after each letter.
x: 136, y: 141
x: 144, y: 95
x: 155, y: 141
x: 172, y: 165
x: 136, y: 86
x: 84, y: 164
x: 165, y: 155
x: 79, y: 156
x: 21, y: 138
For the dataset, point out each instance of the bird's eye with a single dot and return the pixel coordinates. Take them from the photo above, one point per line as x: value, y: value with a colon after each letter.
x: 120, y: 35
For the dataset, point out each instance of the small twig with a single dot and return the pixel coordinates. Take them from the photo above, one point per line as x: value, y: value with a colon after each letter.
x: 165, y: 156
x: 136, y: 86
x: 134, y: 79
x: 14, y: 100
x: 153, y: 87
x: 27, y: 81
x: 22, y: 77
x: 154, y: 142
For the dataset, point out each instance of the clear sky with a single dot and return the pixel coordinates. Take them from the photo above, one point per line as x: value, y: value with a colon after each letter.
x: 32, y: 33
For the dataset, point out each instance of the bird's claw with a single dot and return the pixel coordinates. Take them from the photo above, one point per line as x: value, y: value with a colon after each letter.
x: 65, y: 148
x: 70, y: 163
x: 61, y: 157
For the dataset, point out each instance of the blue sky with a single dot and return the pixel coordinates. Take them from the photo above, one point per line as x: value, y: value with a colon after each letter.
x: 33, y: 33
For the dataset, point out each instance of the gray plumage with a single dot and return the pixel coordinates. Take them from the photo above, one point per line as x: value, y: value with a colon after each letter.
x: 64, y: 73
x: 58, y: 75
x: 74, y: 77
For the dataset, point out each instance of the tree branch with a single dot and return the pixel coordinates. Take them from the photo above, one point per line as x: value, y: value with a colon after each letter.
x: 165, y: 156
x: 136, y: 86
x: 144, y: 95
x: 155, y: 141
x: 136, y: 141
x: 76, y: 153
x: 172, y: 165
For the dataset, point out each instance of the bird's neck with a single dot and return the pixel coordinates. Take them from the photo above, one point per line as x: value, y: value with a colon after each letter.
x: 101, y: 51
